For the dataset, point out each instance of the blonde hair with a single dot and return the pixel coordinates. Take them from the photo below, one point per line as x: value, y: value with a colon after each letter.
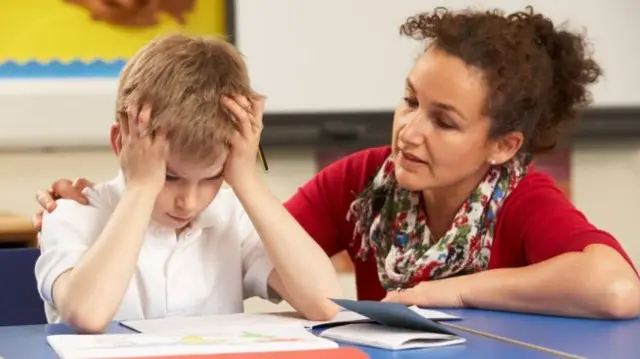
x: 183, y: 78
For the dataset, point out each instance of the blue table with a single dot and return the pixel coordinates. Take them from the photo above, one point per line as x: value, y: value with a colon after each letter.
x: 29, y: 342
x: 579, y: 337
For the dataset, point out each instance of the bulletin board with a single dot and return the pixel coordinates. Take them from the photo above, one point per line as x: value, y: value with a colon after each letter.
x: 93, y: 38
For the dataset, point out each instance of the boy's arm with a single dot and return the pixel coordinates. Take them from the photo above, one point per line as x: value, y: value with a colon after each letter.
x: 88, y: 295
x: 303, y: 274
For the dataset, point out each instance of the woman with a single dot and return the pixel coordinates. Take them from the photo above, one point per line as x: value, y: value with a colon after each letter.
x: 451, y: 214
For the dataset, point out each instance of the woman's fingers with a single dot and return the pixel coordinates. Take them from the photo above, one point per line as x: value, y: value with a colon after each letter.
x: 36, y: 220
x: 64, y: 188
x: 80, y: 184
x: 45, y: 200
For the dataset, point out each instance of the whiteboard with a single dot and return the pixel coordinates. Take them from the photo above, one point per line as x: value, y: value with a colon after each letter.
x: 347, y: 55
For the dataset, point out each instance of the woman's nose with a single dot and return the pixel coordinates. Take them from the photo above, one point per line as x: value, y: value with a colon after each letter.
x: 413, y: 130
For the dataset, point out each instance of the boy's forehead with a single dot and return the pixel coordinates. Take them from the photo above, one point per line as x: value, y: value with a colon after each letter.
x: 192, y: 167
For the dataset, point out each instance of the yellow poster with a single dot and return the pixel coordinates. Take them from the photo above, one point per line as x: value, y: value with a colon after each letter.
x: 45, y: 38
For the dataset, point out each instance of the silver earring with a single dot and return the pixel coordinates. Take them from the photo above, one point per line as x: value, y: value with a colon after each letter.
x: 492, y: 162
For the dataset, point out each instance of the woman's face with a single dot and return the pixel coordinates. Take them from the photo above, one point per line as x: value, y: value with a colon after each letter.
x: 439, y: 131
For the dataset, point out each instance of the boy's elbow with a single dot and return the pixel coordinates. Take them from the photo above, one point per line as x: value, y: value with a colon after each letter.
x: 84, y: 319
x: 86, y: 323
x: 324, y: 311
x: 622, y: 299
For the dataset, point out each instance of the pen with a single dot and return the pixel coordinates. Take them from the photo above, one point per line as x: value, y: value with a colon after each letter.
x: 263, y: 159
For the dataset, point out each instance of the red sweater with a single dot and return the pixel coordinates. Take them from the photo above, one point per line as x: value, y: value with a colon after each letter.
x: 536, y: 222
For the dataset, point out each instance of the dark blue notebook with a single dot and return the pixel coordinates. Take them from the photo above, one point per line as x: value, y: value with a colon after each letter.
x: 393, y: 315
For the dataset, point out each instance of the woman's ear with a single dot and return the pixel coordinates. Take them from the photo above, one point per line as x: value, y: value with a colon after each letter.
x: 115, y: 138
x: 505, y: 148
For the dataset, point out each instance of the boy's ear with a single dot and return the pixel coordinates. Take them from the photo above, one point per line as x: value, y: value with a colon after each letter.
x: 115, y: 138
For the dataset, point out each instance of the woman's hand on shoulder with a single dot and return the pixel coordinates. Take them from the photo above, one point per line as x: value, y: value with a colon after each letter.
x: 61, y: 188
x: 436, y: 293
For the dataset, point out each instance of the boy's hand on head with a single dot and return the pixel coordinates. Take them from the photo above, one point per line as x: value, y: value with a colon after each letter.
x: 143, y: 154
x: 247, y: 113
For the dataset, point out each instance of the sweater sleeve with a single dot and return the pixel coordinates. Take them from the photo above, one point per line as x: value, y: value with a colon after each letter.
x: 548, y: 223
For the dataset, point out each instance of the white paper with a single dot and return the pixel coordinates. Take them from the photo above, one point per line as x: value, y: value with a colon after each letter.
x: 228, y: 340
x: 433, y: 314
x: 392, y: 338
x: 205, y: 324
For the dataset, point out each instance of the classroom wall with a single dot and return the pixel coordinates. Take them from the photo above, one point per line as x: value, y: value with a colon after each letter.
x: 605, y: 178
x: 339, y: 49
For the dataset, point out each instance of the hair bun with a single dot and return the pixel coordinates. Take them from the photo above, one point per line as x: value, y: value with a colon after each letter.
x: 573, y: 69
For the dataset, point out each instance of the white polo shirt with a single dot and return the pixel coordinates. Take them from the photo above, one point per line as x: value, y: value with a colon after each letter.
x: 209, y: 269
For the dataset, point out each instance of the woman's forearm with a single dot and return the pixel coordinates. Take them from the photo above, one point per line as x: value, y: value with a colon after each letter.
x: 596, y: 283
x: 303, y: 267
x: 89, y: 295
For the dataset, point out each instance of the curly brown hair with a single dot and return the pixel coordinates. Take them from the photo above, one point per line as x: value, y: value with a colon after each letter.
x: 536, y: 74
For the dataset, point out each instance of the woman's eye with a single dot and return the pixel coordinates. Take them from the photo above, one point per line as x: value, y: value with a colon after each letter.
x: 170, y: 178
x: 444, y: 122
x: 411, y: 102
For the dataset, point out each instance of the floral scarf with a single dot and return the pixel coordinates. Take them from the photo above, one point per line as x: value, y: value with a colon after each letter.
x: 392, y: 222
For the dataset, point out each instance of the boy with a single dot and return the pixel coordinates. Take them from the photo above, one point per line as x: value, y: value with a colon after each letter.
x: 162, y: 238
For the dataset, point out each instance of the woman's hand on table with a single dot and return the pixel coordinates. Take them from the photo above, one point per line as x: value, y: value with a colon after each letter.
x: 437, y: 293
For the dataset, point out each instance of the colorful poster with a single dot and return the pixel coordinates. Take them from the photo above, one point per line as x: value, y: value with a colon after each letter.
x: 556, y: 164
x: 93, y: 38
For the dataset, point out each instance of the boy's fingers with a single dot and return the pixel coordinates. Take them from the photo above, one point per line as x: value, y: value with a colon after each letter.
x: 160, y: 136
x: 132, y: 120
x: 258, y: 108
x: 143, y: 121
x: 160, y: 141
x: 232, y: 105
x: 250, y: 112
x: 123, y: 123
x: 244, y: 103
x: 144, y: 116
x: 239, y: 114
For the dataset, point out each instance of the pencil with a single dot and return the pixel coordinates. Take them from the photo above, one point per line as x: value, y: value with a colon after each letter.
x: 263, y: 159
